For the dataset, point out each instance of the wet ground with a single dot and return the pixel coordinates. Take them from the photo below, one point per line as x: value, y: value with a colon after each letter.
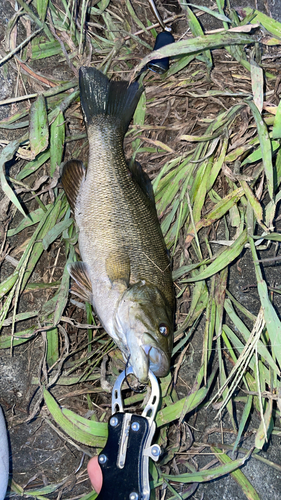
x: 39, y: 456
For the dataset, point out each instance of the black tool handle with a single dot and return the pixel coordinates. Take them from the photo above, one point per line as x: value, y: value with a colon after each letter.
x: 123, y: 483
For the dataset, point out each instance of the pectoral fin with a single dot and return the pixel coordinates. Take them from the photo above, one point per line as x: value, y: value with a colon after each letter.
x: 82, y: 286
x: 118, y: 266
x: 73, y: 173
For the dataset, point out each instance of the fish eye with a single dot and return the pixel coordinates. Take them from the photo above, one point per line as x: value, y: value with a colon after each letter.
x: 163, y: 329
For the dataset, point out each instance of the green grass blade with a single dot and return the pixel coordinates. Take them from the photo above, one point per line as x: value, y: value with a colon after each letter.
x: 227, y: 401
x: 33, y: 218
x: 271, y: 25
x: 38, y: 493
x: 217, y: 212
x: 57, y: 137
x: 248, y: 490
x: 276, y: 131
x: 209, y: 328
x: 55, y: 231
x: 179, y: 65
x: 209, y: 475
x: 199, y: 199
x: 42, y: 49
x: 8, y: 283
x: 31, y: 14
x: 90, y: 496
x: 197, y: 30
x: 243, y: 421
x: 272, y: 321
x: 270, y: 236
x: 223, y: 260
x: 7, y: 154
x: 258, y: 153
x: 254, y: 202
x: 52, y: 346
x: 217, y: 165
x: 265, y: 147
x: 82, y: 435
x: 18, y: 338
x: 43, y: 228
x: 139, y: 117
x: 195, y: 45
x: 135, y: 17
x: 99, y: 429
x: 214, y: 13
x: 33, y: 165
x: 185, y: 405
x: 41, y: 6
x: 38, y: 126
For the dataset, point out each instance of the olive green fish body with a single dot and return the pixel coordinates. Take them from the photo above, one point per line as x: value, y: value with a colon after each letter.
x: 122, y: 248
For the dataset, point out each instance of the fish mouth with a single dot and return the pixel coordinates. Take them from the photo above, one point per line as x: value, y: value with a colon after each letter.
x: 148, y: 357
x: 157, y: 360
x: 138, y: 359
x: 145, y: 355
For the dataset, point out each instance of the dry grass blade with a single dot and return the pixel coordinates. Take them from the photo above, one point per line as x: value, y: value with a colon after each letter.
x: 242, y: 363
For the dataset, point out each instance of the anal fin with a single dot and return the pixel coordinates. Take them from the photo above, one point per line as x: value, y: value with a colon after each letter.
x: 82, y: 286
x: 73, y: 173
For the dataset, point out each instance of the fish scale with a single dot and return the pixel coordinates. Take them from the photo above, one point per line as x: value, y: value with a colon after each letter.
x: 117, y: 218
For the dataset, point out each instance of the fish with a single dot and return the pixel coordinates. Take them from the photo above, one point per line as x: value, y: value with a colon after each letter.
x: 125, y: 272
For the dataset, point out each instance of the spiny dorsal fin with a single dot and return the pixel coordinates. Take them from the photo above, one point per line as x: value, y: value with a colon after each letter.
x: 141, y: 177
x: 73, y: 173
x: 117, y: 266
x: 82, y: 286
x: 99, y: 96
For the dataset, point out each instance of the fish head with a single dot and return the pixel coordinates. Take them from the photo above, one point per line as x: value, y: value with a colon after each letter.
x: 146, y: 321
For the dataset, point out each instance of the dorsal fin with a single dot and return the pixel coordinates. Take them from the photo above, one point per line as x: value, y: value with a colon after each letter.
x: 73, y: 173
x: 143, y: 180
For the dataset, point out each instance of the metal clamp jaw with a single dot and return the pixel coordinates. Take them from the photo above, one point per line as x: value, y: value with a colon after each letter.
x: 125, y: 459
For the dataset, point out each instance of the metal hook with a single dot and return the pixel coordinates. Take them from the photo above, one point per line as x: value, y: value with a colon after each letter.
x: 140, y: 389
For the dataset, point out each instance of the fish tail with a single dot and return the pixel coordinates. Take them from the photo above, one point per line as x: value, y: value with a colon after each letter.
x: 100, y: 96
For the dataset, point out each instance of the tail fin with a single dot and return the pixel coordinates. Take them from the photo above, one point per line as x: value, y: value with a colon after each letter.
x: 99, y: 96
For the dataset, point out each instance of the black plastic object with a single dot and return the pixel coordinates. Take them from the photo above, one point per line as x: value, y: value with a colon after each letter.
x: 123, y: 483
x: 161, y: 65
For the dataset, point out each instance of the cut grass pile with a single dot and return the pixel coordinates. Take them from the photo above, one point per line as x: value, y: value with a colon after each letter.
x: 208, y: 133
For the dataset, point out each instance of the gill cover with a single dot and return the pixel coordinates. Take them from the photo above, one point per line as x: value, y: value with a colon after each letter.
x: 141, y: 314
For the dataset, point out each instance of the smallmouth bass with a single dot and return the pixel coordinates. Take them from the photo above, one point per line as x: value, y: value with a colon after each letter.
x: 125, y: 270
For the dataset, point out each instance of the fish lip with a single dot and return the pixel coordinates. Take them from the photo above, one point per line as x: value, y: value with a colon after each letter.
x: 161, y: 367
x: 140, y: 368
x: 138, y: 359
x: 144, y: 355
